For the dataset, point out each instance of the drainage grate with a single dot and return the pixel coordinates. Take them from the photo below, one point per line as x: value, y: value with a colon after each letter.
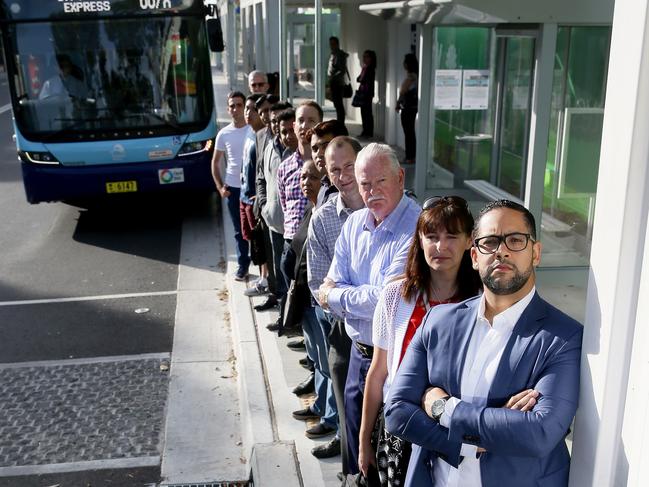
x: 244, y: 483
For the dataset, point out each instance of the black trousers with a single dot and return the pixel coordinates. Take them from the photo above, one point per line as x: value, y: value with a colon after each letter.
x: 337, y: 99
x: 408, y: 116
x: 367, y: 118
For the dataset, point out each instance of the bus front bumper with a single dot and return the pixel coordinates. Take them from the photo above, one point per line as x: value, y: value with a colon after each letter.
x: 46, y: 183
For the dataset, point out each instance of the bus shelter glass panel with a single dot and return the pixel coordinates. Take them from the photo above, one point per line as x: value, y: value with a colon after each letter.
x: 570, y: 185
x: 510, y: 162
x: 482, y: 95
x: 301, y: 49
x: 462, y: 141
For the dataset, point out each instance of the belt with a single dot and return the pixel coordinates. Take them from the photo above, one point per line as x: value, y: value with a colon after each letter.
x: 366, y: 350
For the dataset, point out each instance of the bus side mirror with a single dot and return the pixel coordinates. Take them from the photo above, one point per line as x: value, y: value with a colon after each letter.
x: 215, y: 35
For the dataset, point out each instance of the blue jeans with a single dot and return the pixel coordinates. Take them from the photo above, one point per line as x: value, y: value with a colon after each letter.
x: 243, y: 254
x: 316, y: 349
x: 324, y: 320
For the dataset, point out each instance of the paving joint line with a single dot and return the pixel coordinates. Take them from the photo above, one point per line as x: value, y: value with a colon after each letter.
x: 264, y: 368
x: 86, y: 298
x: 87, y: 360
x: 50, y: 468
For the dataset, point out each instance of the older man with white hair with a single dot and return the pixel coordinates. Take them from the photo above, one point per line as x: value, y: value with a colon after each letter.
x: 372, y: 249
x: 258, y: 82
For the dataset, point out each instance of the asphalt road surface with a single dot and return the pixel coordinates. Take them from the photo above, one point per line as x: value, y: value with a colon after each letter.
x: 87, y: 306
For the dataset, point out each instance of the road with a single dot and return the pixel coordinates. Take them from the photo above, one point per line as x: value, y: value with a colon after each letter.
x: 87, y: 306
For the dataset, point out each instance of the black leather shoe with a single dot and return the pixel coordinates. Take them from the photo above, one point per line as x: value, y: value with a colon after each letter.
x: 275, y: 326
x: 304, y: 414
x: 297, y: 344
x: 270, y: 303
x: 307, y: 386
x: 319, y: 431
x: 306, y: 363
x: 328, y: 450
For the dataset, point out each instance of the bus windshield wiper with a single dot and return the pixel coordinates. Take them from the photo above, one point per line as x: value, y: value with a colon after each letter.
x: 75, y: 122
x: 166, y: 121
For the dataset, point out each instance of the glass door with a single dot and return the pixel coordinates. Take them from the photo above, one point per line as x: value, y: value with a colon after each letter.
x: 301, y: 49
x: 509, y: 158
x: 301, y: 57
x: 481, y: 122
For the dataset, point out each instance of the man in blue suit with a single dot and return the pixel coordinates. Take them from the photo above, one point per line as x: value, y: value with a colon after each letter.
x: 488, y: 387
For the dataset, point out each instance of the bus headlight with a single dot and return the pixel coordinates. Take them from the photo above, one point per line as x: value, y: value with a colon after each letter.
x: 41, y: 157
x: 195, y: 147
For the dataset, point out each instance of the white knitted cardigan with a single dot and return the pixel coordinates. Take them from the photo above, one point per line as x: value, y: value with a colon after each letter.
x: 391, y: 318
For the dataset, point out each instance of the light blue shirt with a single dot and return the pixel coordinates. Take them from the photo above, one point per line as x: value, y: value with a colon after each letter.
x: 367, y: 256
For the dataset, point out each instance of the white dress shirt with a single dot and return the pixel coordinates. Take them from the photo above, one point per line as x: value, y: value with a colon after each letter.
x: 482, y: 359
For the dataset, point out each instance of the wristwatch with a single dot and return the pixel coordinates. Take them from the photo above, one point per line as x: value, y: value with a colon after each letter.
x: 325, y: 298
x: 437, y: 408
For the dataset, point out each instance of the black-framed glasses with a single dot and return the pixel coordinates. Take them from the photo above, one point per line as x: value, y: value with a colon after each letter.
x: 449, y: 200
x: 515, y: 242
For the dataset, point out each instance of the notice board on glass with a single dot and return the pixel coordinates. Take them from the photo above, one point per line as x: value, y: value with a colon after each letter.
x: 580, y: 150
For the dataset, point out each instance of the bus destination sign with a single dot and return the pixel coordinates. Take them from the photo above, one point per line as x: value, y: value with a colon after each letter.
x: 40, y: 10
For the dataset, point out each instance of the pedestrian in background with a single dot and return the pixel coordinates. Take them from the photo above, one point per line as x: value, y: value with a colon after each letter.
x: 365, y: 93
x: 407, y: 104
x: 336, y: 72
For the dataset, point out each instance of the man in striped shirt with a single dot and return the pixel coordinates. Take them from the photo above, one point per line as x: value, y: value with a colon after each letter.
x: 293, y: 201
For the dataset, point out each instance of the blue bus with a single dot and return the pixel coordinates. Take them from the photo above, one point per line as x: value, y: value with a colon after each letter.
x: 109, y: 96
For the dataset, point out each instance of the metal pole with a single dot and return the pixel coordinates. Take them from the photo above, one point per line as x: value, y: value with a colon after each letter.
x: 319, y: 88
x: 282, y: 50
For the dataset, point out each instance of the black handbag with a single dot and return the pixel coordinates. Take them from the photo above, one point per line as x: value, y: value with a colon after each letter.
x: 348, y: 91
x: 257, y: 245
x: 359, y: 99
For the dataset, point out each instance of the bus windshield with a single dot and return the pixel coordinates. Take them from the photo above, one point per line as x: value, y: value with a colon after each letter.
x: 110, y: 78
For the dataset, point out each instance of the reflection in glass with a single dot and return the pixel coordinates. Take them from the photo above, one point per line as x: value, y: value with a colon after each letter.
x: 110, y: 75
x: 578, y: 90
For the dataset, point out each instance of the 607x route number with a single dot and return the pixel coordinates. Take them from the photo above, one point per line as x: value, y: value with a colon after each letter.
x: 154, y: 4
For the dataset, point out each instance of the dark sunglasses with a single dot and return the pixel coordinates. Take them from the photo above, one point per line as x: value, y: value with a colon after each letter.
x: 447, y: 200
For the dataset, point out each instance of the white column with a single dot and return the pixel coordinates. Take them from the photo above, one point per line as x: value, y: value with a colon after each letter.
x: 271, y: 33
x: 632, y: 467
x: 426, y: 107
x: 260, y: 52
x: 607, y: 443
x: 546, y: 45
x: 231, y: 45
x: 282, y: 49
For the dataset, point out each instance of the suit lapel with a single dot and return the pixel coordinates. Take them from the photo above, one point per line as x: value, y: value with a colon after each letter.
x: 522, y: 335
x: 459, y: 340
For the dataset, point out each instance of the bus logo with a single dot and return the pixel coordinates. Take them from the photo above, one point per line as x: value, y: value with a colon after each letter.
x: 118, y: 152
x: 171, y: 175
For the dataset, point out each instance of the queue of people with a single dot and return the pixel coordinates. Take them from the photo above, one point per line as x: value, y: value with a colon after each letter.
x: 433, y: 359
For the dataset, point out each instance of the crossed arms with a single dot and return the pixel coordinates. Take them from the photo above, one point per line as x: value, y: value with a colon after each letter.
x: 498, y: 430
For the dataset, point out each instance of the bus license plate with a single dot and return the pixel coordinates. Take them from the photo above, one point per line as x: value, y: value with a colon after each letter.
x: 121, y: 187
